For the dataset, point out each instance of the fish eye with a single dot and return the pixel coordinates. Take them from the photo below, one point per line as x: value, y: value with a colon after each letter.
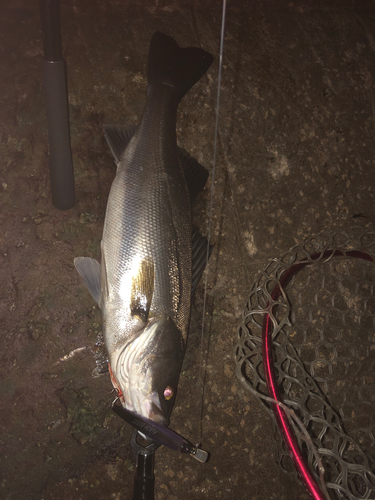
x: 168, y: 392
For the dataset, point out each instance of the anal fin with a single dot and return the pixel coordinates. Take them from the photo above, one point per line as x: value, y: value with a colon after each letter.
x: 199, y: 256
x: 195, y: 174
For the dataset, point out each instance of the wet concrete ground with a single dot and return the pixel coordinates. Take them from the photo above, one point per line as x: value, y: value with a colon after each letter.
x: 295, y: 157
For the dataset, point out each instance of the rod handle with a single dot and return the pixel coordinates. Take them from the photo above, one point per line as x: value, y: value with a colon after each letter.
x: 60, y: 156
x: 144, y: 480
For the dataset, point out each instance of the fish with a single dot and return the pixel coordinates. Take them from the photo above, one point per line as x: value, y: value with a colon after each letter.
x: 152, y: 257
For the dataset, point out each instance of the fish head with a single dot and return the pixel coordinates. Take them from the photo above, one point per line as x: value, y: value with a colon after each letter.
x: 153, y: 364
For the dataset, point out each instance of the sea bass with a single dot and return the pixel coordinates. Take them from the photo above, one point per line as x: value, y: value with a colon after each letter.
x: 151, y: 256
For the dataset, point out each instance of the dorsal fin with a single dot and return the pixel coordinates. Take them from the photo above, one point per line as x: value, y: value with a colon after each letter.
x: 118, y: 139
x: 89, y: 270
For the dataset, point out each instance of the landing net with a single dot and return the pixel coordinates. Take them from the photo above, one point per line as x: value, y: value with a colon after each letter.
x: 323, y: 348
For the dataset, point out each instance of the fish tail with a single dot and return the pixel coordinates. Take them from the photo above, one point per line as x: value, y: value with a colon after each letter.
x: 176, y: 67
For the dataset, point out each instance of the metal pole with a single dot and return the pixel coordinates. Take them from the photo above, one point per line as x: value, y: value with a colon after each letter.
x: 56, y: 97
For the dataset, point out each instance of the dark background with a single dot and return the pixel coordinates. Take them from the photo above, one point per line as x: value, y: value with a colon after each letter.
x: 295, y: 157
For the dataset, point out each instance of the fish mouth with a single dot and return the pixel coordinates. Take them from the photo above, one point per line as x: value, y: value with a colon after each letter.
x: 134, y: 400
x: 142, y: 370
x: 149, y: 407
x: 156, y: 415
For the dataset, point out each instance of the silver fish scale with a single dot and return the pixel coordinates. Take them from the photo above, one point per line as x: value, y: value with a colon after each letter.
x: 148, y: 217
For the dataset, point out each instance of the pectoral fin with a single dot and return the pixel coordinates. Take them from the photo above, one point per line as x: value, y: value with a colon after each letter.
x: 89, y: 270
x: 142, y: 290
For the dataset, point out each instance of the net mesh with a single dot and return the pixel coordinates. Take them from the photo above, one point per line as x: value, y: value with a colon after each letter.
x: 324, y: 355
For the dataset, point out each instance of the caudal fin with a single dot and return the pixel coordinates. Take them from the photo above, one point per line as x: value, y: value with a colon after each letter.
x: 176, y: 67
